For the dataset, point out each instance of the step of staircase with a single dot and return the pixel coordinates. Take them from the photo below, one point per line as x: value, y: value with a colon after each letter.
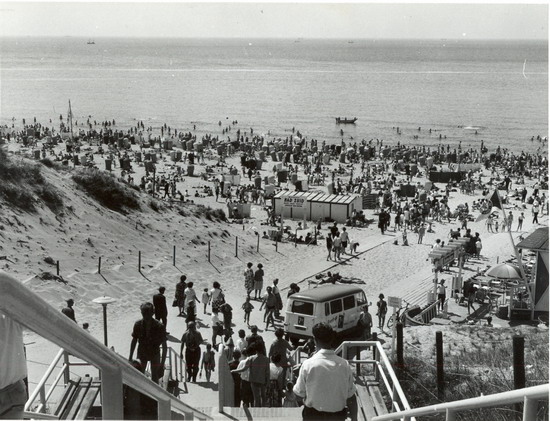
x: 256, y: 414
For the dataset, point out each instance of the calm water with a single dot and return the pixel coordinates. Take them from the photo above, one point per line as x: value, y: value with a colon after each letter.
x: 279, y: 84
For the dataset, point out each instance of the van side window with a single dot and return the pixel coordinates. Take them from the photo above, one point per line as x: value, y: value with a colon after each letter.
x: 361, y: 299
x: 302, y: 307
x: 335, y: 306
x: 327, y: 309
x: 349, y: 302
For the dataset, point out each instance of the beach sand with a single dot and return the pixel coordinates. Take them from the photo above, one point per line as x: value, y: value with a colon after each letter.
x: 88, y: 231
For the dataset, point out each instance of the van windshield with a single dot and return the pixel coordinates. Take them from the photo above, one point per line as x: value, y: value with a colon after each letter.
x: 302, y: 307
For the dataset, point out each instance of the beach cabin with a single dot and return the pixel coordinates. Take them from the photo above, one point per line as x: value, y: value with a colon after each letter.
x: 293, y: 205
x: 314, y: 205
x: 336, y: 207
x: 537, y: 242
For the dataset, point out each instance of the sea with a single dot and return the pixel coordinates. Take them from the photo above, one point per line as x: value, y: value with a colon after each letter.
x: 456, y: 88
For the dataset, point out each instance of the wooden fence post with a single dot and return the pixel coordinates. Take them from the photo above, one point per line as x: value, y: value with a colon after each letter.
x: 518, y: 344
x: 236, y: 246
x: 174, y: 257
x: 400, y: 359
x: 57, y: 267
x: 99, y: 265
x: 139, y: 261
x: 209, y: 252
x: 439, y: 364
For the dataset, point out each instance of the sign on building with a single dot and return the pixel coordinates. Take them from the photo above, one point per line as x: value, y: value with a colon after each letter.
x: 294, y: 202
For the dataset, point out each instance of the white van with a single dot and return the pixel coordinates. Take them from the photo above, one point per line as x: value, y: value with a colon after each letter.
x: 338, y: 305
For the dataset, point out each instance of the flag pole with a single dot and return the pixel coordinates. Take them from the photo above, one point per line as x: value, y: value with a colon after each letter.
x: 518, y: 257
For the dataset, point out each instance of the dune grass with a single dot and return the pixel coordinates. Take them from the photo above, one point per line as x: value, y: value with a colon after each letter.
x: 23, y: 185
x: 484, y: 365
x: 107, y: 190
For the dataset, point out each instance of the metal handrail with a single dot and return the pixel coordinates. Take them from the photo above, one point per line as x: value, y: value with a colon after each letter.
x: 382, y: 367
x: 530, y: 396
x: 31, y: 311
x: 40, y: 387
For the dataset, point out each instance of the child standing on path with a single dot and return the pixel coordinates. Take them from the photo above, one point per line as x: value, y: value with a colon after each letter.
x: 247, y: 307
x: 208, y: 362
x: 382, y: 310
x: 205, y: 298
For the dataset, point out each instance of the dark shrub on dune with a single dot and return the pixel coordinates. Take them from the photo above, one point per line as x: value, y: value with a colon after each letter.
x: 22, y: 181
x: 106, y: 189
x: 207, y: 212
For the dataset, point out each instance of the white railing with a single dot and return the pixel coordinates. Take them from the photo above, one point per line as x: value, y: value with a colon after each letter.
x: 530, y: 397
x: 31, y: 311
x: 382, y: 369
x: 40, y: 389
x: 426, y: 315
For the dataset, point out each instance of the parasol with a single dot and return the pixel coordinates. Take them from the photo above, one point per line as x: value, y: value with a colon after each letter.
x: 504, y: 271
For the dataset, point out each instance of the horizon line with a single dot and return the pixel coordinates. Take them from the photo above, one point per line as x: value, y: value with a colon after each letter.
x: 269, y: 38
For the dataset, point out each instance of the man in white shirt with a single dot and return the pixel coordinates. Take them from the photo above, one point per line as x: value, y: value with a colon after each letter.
x: 13, y: 369
x: 325, y: 383
x: 190, y: 294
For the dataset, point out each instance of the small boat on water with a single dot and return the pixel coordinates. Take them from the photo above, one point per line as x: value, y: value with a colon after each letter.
x: 345, y: 120
x: 90, y: 42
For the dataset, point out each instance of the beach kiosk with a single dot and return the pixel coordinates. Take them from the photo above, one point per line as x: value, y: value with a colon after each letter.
x: 314, y: 205
x: 537, y: 279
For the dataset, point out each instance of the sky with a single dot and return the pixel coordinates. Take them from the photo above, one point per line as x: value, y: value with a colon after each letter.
x: 276, y: 20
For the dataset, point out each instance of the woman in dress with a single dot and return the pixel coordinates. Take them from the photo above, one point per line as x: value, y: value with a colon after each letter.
x: 180, y: 293
x: 216, y: 296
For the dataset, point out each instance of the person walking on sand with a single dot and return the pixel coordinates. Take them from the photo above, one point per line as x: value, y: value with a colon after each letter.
x: 336, y: 245
x: 149, y: 334
x: 205, y: 298
x: 510, y: 220
x: 270, y: 302
x: 421, y: 233
x: 248, y: 279
x: 208, y: 362
x: 180, y: 294
x: 258, y: 281
x: 329, y: 246
x: 161, y: 311
x: 192, y: 341
x: 277, y: 293
x: 190, y: 294
x: 382, y: 310
x: 489, y: 223
x: 344, y: 237
x: 520, y: 221
x: 247, y: 307
x: 69, y: 310
x: 535, y: 210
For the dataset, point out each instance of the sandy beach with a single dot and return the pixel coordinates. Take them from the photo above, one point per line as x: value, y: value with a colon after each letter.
x: 86, y: 231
